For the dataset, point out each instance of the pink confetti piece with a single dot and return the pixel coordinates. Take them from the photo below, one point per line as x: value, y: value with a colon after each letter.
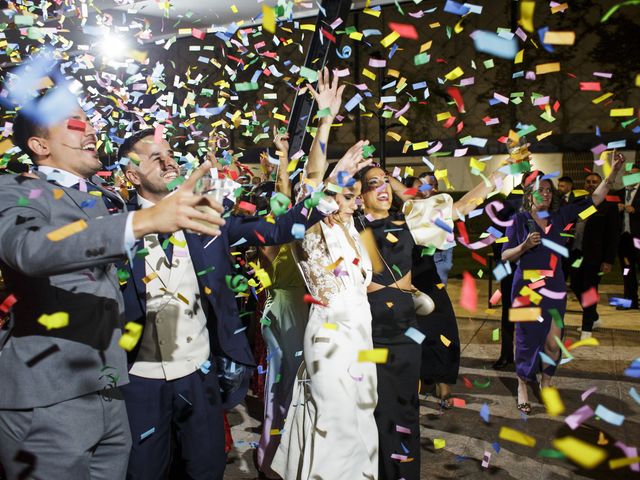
x: 588, y: 392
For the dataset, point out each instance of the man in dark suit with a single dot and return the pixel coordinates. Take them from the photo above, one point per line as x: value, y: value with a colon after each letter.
x: 565, y: 190
x: 596, y: 243
x: 629, y: 209
x: 61, y: 412
x: 180, y: 292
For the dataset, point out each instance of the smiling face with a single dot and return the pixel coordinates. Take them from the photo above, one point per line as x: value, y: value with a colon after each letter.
x: 156, y: 168
x: 347, y: 202
x: 591, y: 183
x: 69, y: 145
x: 542, y: 201
x: 376, y: 193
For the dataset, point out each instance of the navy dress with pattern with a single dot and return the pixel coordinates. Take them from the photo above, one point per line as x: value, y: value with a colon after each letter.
x: 531, y: 336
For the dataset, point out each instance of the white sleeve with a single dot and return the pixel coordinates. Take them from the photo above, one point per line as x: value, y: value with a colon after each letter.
x: 430, y: 220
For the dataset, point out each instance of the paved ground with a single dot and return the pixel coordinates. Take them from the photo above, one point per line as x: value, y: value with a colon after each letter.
x: 468, y: 437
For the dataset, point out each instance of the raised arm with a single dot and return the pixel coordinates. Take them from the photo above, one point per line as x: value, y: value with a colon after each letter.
x: 603, y: 189
x: 281, y: 142
x: 477, y: 194
x: 328, y: 96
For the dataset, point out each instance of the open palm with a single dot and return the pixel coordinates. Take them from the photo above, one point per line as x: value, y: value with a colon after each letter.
x: 329, y: 94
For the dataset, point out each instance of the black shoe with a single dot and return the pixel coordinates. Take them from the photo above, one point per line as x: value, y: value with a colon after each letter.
x: 501, y: 364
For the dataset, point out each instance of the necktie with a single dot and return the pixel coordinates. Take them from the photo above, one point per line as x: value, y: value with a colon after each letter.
x: 628, y: 197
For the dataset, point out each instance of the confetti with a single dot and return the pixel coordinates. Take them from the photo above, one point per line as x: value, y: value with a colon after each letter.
x: 582, y: 453
x: 376, y: 355
x: 54, y: 320
x: 67, y: 231
x: 517, y: 436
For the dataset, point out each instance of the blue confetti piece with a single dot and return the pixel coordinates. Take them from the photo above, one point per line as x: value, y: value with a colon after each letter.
x: 205, y: 367
x: 547, y: 359
x: 404, y: 449
x: 148, y: 433
x: 88, y: 203
x: 415, y: 335
x: 484, y: 413
x: 496, y: 446
x: 634, y: 394
x: 455, y: 8
x: 541, y: 33
x: 495, y: 232
x: 495, y: 45
x: 443, y: 225
x: 297, y: 230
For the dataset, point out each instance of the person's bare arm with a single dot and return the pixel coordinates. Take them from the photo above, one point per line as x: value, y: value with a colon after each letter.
x: 281, y: 142
x: 328, y: 95
x: 513, y: 254
x: 603, y: 189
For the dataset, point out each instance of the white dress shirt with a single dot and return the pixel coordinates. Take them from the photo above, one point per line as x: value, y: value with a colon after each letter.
x: 68, y: 180
x: 175, y: 342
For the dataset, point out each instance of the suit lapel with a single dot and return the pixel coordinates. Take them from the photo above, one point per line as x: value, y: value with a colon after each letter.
x: 197, y: 258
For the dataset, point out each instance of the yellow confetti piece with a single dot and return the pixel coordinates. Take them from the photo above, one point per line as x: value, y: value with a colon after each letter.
x: 182, y: 298
x: 131, y: 336
x: 445, y: 340
x: 517, y: 436
x: 207, y: 291
x: 150, y: 277
x: 552, y: 401
x: 389, y: 304
x: 623, y: 462
x: 525, y: 314
x: 177, y: 243
x: 545, y: 68
x: 519, y: 57
x: 544, y: 135
x: 587, y: 212
x: 455, y: 73
x: 439, y: 443
x: 389, y: 39
x: 602, y: 440
x: 369, y: 74
x: 582, y: 453
x: 420, y: 145
x: 373, y: 13
x: 425, y: 46
x: 638, y: 80
x: 330, y: 326
x: 66, y: 231
x: 526, y: 14
x: 55, y: 320
x: 478, y: 165
x: 391, y: 237
x: 275, y: 431
x: 394, y: 135
x: 268, y: 19
x: 443, y: 116
x: 234, y: 9
x: 621, y: 112
x: 5, y: 145
x: 377, y: 355
x: 602, y: 98
x: 58, y: 193
x: 559, y: 38
x: 356, y: 36
x: 587, y: 342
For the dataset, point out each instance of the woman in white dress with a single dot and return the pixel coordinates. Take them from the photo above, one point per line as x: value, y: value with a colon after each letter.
x: 330, y: 431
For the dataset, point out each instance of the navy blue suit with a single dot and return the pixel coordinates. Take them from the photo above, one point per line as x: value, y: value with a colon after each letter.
x: 226, y: 333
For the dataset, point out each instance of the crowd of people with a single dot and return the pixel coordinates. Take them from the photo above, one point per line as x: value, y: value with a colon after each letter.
x: 351, y: 264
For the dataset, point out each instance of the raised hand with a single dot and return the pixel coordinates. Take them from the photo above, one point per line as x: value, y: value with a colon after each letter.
x: 618, y: 161
x: 352, y: 161
x: 329, y: 94
x: 281, y: 142
x: 178, y: 211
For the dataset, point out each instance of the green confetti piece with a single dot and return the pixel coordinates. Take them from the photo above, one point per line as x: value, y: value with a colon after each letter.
x: 279, y: 204
x: 143, y: 252
x: 175, y: 183
x: 265, y: 321
x: 521, y: 167
x: 488, y: 64
x: 479, y: 384
x: 428, y: 251
x: 237, y: 283
x: 313, y: 201
x: 551, y: 453
x: 325, y: 112
x: 367, y: 151
x: 421, y: 58
x: 577, y: 263
x: 23, y: 20
x: 495, y: 335
x: 205, y: 271
x: 23, y: 201
x: 397, y: 270
x: 123, y: 275
x: 557, y: 318
x: 631, y: 179
x: 278, y: 377
x: 246, y: 86
x: 309, y: 74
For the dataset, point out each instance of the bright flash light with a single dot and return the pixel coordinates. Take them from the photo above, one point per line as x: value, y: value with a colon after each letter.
x: 113, y: 46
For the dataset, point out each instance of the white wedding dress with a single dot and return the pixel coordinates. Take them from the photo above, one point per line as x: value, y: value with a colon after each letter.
x: 330, y: 432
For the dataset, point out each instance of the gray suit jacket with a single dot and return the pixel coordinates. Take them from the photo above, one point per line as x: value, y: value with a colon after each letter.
x: 40, y: 367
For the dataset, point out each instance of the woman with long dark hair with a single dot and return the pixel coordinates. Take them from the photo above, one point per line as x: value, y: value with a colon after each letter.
x: 391, y: 296
x: 535, y: 243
